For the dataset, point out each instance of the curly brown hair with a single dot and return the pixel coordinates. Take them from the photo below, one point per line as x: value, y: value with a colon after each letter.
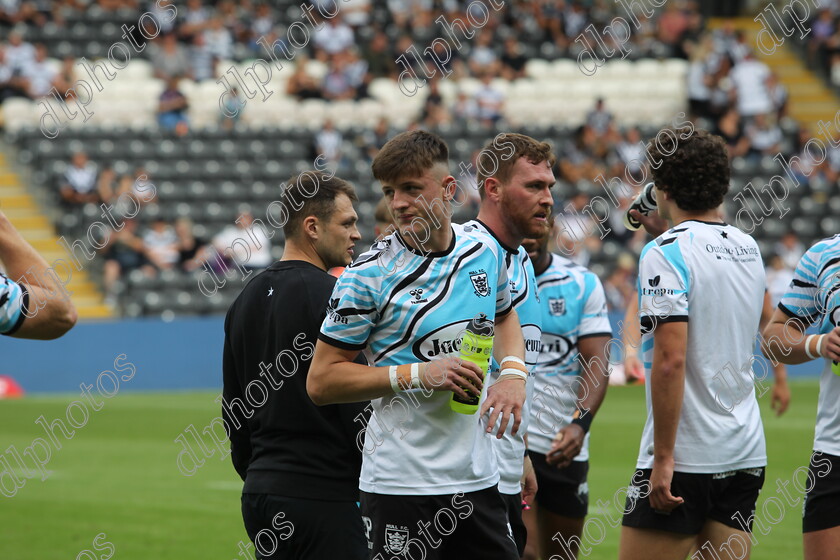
x: 692, y: 166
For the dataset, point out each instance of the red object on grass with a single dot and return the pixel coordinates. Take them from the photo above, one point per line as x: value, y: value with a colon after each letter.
x: 9, y: 388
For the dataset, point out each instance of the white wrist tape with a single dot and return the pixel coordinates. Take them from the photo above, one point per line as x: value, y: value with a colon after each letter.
x: 808, y: 346
x: 819, y: 345
x: 404, y: 377
x: 511, y: 365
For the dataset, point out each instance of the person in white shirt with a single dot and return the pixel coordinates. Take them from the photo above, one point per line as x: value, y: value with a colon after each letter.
x: 229, y: 242
x: 335, y: 36
x: 750, y: 78
x: 40, y: 74
x: 702, y: 454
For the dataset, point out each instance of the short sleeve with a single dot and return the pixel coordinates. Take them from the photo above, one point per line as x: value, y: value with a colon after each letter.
x: 351, y: 311
x: 594, y: 320
x: 504, y: 301
x: 664, y: 283
x: 13, y: 301
x: 801, y: 297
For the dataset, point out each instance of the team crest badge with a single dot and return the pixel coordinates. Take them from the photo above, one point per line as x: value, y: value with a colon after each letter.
x: 557, y: 306
x: 395, y: 539
x: 479, y: 282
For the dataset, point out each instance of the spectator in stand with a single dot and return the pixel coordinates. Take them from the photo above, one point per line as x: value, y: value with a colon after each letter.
x: 490, y: 100
x: 619, y: 286
x: 254, y: 236
x: 778, y: 95
x: 434, y: 111
x: 822, y: 30
x: 483, y: 59
x: 377, y: 53
x: 233, y: 105
x: 750, y: 78
x: 40, y: 76
x: 160, y: 10
x: 629, y: 156
x: 123, y: 252
x: 513, y: 61
x: 18, y: 12
x: 160, y: 245
x: 263, y: 23
x: 356, y: 12
x: 582, y: 156
x: 66, y: 77
x: 336, y: 85
x: 192, y: 250
x: 765, y: 137
x: 790, y: 249
x: 465, y: 108
x: 356, y: 70
x: 301, y: 84
x: 372, y: 141
x: 80, y: 185
x: 601, y: 121
x: 202, y: 61
x: 804, y: 166
x: 11, y: 85
x: 328, y: 142
x: 169, y: 58
x: 730, y: 128
x: 219, y: 39
x: 172, y: 108
x: 19, y: 53
x: 700, y: 77
x: 193, y: 19
x: 334, y: 37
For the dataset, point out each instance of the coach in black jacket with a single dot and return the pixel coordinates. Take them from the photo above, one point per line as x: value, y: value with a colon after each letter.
x: 300, y: 462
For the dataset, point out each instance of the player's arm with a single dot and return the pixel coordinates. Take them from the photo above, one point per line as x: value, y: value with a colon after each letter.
x: 631, y: 338
x: 784, y: 341
x: 592, y: 387
x: 507, y: 395
x: 56, y: 314
x: 334, y: 377
x: 780, y: 396
x: 238, y: 431
x: 667, y: 384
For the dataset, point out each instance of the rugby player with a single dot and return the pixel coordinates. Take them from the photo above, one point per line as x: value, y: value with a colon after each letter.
x: 702, y: 454
x: 515, y: 177
x: 429, y: 474
x: 813, y: 297
x: 571, y: 382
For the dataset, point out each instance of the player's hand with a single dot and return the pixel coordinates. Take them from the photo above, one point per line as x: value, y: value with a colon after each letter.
x: 529, y: 482
x: 462, y: 377
x: 566, y: 446
x: 652, y: 223
x: 831, y: 345
x: 780, y: 396
x: 633, y: 368
x: 660, y: 497
x: 506, y: 397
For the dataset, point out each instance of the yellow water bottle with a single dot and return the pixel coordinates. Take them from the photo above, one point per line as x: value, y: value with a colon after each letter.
x: 476, y: 347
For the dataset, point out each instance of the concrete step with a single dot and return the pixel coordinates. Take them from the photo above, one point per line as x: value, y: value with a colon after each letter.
x: 18, y: 201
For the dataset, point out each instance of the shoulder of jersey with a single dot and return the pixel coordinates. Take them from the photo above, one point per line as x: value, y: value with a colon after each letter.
x: 384, y: 249
x: 472, y: 231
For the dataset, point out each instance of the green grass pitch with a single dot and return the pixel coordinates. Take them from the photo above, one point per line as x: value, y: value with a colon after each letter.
x: 118, y: 476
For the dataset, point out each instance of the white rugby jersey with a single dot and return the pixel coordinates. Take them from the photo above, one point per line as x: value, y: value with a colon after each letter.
x: 573, y: 306
x: 510, y: 450
x: 709, y: 274
x: 400, y: 307
x: 13, y: 298
x: 814, y: 297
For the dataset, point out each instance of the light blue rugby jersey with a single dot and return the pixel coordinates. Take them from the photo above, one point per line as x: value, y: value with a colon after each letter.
x: 13, y: 298
x: 814, y: 297
x: 510, y: 450
x: 400, y: 307
x: 573, y: 306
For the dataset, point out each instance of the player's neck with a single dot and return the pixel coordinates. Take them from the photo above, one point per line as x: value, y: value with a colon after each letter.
x: 680, y: 216
x: 494, y: 222
x: 293, y: 251
x: 440, y: 238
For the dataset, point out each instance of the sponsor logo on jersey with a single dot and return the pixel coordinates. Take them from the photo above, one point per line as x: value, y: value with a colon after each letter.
x: 417, y: 296
x: 444, y: 341
x: 395, y: 538
x: 479, y: 282
x: 654, y: 290
x: 557, y: 306
x: 333, y: 313
x: 654, y: 282
x: 555, y: 349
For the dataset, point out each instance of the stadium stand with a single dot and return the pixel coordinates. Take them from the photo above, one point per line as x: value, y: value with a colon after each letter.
x: 211, y: 167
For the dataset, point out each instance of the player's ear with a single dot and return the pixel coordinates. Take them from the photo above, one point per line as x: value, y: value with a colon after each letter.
x: 449, y: 186
x: 491, y: 188
x: 310, y: 227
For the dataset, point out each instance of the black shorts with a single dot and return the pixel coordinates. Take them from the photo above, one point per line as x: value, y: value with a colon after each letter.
x: 466, y: 526
x: 513, y: 502
x: 728, y: 498
x: 822, y: 498
x: 296, y: 529
x: 561, y: 491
